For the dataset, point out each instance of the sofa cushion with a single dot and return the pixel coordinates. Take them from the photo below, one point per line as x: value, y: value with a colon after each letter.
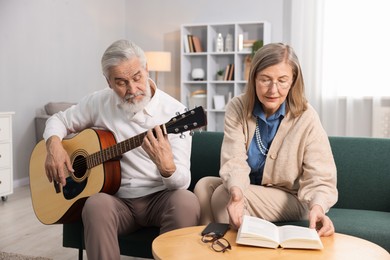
x: 367, y: 224
x: 362, y: 172
x: 54, y: 107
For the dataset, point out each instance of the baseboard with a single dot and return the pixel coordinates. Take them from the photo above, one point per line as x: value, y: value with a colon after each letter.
x: 21, y: 182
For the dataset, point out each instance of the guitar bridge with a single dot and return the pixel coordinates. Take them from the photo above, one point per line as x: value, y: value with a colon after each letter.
x: 57, y: 187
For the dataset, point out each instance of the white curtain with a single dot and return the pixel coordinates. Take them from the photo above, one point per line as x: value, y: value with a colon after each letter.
x: 342, y: 45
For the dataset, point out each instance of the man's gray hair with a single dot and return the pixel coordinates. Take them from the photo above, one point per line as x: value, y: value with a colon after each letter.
x: 120, y: 51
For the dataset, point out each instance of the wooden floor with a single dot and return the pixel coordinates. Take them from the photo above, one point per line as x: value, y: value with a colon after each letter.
x: 22, y: 233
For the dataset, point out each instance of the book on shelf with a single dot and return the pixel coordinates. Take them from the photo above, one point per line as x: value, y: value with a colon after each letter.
x: 190, y: 42
x: 259, y: 232
x: 197, y: 44
x: 231, y: 72
x: 226, y: 75
x: 186, y: 44
x: 247, y: 45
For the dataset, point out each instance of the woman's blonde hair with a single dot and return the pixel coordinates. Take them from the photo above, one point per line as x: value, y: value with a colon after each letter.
x: 269, y: 55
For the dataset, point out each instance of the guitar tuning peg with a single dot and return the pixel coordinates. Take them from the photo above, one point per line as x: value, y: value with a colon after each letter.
x: 177, y: 113
x: 186, y: 109
x: 182, y: 136
x: 192, y: 132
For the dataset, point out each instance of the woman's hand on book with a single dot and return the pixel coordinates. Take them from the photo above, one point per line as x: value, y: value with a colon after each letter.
x: 322, y: 223
x: 235, y: 207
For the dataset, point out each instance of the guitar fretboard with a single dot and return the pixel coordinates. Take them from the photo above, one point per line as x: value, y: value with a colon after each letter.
x: 114, y: 151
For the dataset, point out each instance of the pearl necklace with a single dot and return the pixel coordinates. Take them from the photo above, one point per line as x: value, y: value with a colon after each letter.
x: 259, y: 142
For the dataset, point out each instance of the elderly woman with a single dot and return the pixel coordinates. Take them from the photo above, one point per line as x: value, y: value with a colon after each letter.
x: 276, y: 160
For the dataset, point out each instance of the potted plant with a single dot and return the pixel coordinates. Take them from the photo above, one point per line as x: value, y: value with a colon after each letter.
x: 248, y: 59
x: 220, y: 75
x: 256, y: 45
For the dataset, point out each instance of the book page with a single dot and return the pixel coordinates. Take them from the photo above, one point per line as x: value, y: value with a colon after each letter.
x: 299, y: 237
x: 259, y: 232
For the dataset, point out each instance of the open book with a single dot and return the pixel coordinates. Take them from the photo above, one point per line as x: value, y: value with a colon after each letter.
x: 258, y: 232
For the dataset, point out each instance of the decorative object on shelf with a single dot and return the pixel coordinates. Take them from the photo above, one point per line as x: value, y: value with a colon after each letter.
x: 220, y: 75
x: 198, y: 98
x: 158, y: 61
x: 219, y: 43
x: 240, y: 42
x: 229, y: 43
x: 197, y: 74
x: 248, y: 59
x: 219, y: 102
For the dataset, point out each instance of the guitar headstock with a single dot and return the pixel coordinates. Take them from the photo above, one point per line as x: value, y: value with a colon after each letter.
x: 190, y: 120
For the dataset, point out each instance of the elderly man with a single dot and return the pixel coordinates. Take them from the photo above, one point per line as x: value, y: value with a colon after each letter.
x: 154, y: 176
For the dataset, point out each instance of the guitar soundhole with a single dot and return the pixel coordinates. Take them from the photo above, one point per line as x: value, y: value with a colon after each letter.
x: 74, y: 188
x: 79, y: 166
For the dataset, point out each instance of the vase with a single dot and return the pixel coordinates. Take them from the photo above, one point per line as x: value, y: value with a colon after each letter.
x: 197, y: 74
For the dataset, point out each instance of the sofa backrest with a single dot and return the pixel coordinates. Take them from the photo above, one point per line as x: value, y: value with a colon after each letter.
x: 205, y: 155
x: 363, y: 172
x: 363, y: 168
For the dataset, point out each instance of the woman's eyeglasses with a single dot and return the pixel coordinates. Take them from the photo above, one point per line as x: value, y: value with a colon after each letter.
x: 218, y: 243
x: 268, y: 83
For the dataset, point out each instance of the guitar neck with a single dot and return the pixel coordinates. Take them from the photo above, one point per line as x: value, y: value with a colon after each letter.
x: 187, y: 121
x: 117, y: 150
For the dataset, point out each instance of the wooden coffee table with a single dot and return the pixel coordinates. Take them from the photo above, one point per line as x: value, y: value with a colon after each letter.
x: 186, y: 244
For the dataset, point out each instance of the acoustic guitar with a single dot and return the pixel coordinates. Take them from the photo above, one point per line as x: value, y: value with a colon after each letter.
x: 95, y: 157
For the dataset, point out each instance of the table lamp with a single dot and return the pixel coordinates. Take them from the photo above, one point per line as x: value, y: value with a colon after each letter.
x: 158, y: 61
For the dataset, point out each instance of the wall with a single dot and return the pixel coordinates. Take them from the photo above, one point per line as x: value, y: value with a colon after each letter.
x: 157, y: 26
x: 50, y: 50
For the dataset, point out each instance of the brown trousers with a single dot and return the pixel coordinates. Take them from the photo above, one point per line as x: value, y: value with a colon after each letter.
x: 264, y: 202
x: 105, y: 217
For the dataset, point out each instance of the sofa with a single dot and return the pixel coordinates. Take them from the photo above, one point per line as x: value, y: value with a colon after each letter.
x: 363, y: 181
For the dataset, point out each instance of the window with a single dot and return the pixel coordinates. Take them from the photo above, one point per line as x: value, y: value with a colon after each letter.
x: 356, y: 48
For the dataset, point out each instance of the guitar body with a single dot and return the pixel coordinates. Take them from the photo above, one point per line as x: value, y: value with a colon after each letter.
x: 53, y: 203
x: 94, y: 155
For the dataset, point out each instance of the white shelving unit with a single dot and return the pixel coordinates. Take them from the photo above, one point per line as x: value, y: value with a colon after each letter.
x: 211, y: 61
x: 6, y: 173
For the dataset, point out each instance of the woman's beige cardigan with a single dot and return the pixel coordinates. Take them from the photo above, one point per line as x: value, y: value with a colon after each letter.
x: 299, y: 160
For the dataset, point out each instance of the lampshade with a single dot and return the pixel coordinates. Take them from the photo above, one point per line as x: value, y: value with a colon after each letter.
x: 158, y: 60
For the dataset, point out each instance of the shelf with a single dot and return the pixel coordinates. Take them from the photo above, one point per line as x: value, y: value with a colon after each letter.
x: 210, y: 61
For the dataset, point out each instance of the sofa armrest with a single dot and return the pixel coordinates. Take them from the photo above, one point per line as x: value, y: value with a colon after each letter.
x: 40, y: 122
x: 49, y: 109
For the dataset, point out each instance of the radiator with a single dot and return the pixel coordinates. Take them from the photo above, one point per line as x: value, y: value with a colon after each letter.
x: 381, y: 121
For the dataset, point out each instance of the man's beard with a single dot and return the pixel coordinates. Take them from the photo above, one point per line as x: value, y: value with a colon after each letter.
x: 132, y: 107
